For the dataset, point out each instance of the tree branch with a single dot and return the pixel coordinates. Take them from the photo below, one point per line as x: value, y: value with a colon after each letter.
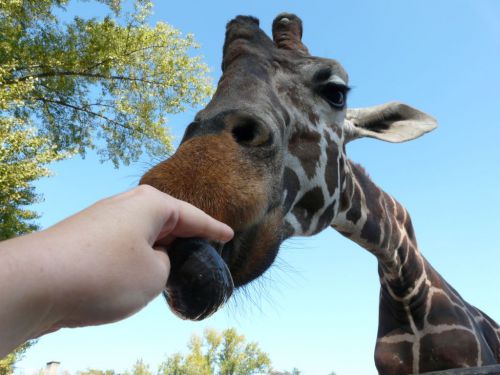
x: 89, y: 112
x: 124, y: 54
x: 86, y: 72
x: 82, y: 74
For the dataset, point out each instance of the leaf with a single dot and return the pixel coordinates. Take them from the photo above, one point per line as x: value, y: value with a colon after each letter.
x: 87, y: 84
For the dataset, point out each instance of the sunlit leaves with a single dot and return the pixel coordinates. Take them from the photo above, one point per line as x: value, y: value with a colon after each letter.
x: 7, y: 363
x: 224, y: 353
x: 90, y: 80
x: 105, y: 84
x: 23, y: 159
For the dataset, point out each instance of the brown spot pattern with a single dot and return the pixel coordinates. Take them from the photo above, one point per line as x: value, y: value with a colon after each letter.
x: 392, y: 316
x: 331, y: 169
x: 291, y: 184
x: 371, y: 230
x: 301, y: 106
x: 310, y: 203
x: 394, y: 359
x: 354, y: 213
x: 444, y: 312
x: 305, y: 146
x: 447, y: 350
x: 326, y: 217
x: 491, y: 343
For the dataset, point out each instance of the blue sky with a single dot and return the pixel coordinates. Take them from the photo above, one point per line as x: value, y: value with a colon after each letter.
x: 317, y: 309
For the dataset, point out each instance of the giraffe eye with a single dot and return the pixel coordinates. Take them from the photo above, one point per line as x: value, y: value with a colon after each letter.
x: 334, y: 94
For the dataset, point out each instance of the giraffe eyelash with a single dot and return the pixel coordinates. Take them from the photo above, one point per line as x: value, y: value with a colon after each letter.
x: 335, y: 94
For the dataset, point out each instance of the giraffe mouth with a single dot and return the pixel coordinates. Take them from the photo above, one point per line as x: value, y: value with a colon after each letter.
x: 200, y: 281
x: 226, y: 251
x: 253, y: 250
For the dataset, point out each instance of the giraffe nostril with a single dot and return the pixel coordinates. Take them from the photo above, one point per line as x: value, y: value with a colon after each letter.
x: 249, y: 132
x: 245, y: 132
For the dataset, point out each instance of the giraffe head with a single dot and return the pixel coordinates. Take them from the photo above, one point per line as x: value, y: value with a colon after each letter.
x: 267, y: 154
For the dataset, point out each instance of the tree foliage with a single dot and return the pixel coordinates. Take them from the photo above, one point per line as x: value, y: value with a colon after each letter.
x: 74, y: 85
x: 139, y: 368
x: 224, y: 353
x: 112, y: 79
x: 7, y: 363
x: 92, y: 371
x: 23, y: 156
x: 295, y: 371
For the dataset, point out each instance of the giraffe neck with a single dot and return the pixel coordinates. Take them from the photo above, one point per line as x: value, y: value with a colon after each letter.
x: 377, y: 222
x: 424, y: 324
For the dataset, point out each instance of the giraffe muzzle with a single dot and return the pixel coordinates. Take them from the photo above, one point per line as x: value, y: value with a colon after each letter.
x: 200, y: 281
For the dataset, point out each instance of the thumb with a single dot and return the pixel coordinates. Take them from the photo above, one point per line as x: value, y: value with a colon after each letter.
x: 163, y: 260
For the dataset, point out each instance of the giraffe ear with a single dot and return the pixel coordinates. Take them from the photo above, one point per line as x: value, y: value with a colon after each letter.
x: 391, y: 122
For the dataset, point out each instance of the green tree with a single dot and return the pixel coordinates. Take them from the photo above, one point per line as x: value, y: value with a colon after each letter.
x: 224, y: 353
x: 295, y: 371
x: 71, y: 86
x: 7, y: 363
x: 112, y: 79
x: 23, y: 156
x: 139, y: 368
x: 92, y: 371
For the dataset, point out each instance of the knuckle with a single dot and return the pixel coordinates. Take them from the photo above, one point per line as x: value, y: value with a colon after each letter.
x: 144, y: 190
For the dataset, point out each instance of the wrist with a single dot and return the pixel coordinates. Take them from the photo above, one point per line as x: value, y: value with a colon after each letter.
x: 27, y: 291
x: 37, y: 287
x: 49, y: 293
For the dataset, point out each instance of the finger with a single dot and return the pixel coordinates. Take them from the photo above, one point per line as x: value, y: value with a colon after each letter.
x: 164, y: 261
x: 161, y: 254
x: 165, y: 241
x: 193, y: 222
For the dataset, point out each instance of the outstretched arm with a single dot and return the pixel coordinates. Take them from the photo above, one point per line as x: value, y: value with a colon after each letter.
x: 99, y: 266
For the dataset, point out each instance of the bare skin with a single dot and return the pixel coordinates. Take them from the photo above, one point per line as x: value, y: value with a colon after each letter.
x: 98, y: 266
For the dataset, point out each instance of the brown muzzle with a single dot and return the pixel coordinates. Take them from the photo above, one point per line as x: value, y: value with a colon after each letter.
x: 212, y: 173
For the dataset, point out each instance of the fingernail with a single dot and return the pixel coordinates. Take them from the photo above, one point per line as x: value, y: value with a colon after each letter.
x: 228, y: 235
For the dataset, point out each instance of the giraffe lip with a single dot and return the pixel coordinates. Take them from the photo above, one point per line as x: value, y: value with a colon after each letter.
x: 227, y: 251
x: 200, y: 281
x: 218, y: 247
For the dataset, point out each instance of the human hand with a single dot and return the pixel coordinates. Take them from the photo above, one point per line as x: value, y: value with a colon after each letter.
x: 105, y: 262
x: 115, y: 270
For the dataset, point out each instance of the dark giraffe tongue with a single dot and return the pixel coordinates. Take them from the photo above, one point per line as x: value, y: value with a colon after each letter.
x: 199, y: 282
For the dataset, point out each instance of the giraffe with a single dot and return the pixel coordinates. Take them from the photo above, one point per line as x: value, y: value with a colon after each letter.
x: 267, y: 156
x: 424, y: 324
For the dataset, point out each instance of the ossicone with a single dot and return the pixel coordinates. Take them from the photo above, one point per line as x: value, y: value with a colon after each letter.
x: 287, y: 33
